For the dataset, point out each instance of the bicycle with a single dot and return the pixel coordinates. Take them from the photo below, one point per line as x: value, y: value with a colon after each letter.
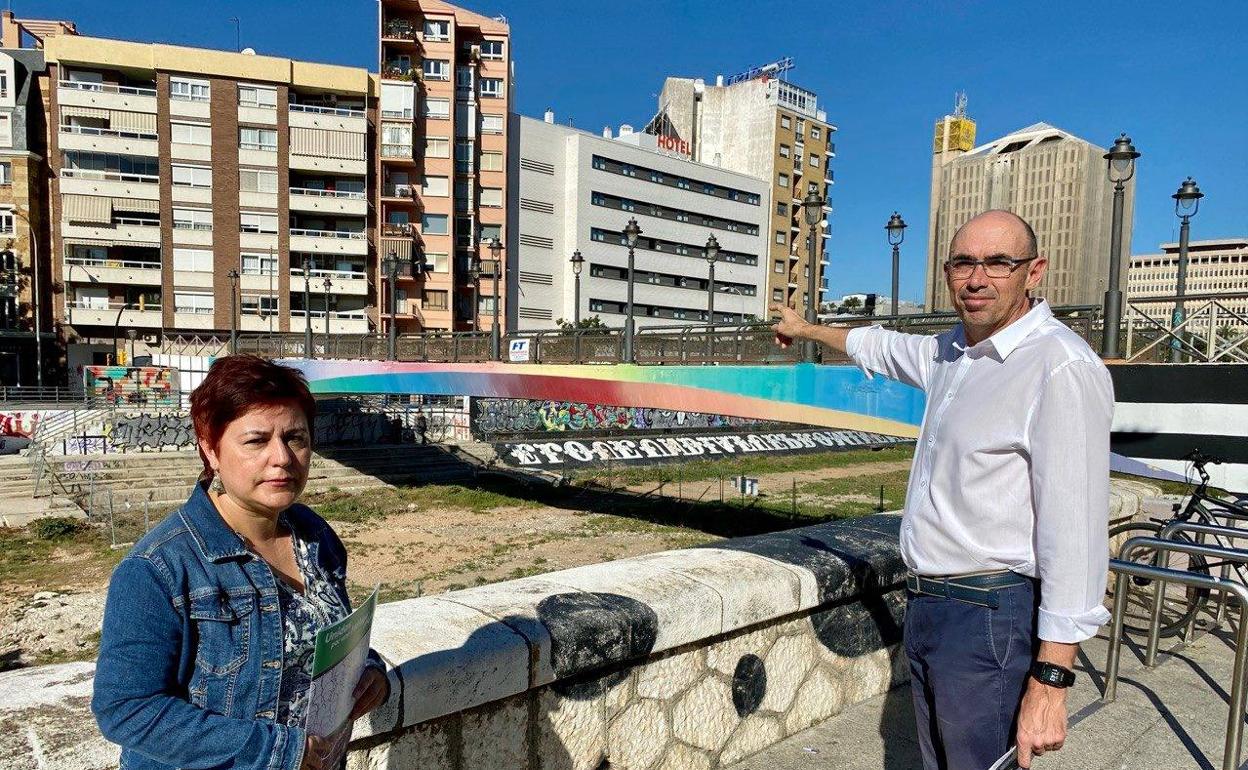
x: 1180, y: 604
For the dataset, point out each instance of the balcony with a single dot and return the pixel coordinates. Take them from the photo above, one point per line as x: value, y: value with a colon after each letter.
x: 400, y: 72
x: 118, y: 271
x: 106, y: 96
x: 400, y: 30
x: 108, y: 140
x: 328, y: 241
x: 353, y: 282
x: 114, y: 184
x: 340, y: 322
x: 123, y: 229
x: 328, y: 118
x: 401, y: 152
x: 328, y: 201
x: 97, y: 313
x: 394, y: 230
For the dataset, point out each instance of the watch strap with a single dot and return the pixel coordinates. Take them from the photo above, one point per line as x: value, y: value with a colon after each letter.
x: 1052, y: 674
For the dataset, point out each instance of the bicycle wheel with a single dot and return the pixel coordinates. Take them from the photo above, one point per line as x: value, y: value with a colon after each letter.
x: 1180, y: 602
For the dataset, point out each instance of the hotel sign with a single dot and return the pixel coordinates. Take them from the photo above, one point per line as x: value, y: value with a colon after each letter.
x: 775, y: 68
x: 674, y: 144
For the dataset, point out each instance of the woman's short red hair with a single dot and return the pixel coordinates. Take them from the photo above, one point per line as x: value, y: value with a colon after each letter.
x: 237, y: 384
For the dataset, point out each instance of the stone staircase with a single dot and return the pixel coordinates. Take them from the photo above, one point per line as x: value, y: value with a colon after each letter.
x: 164, y: 479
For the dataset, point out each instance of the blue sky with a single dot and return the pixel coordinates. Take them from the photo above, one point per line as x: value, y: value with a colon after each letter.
x: 1172, y: 74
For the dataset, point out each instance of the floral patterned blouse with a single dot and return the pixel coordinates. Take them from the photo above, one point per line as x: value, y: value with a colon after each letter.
x: 322, y: 603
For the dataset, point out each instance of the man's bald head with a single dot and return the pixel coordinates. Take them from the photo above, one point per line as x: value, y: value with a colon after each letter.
x: 1029, y: 248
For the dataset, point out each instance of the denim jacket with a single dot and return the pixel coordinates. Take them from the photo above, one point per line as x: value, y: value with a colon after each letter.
x: 190, y: 659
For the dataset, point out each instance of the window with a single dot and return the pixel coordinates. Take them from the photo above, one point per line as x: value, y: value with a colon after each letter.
x: 188, y: 302
x: 192, y: 260
x: 781, y: 237
x: 782, y: 180
x: 816, y: 133
x: 491, y: 197
x: 492, y: 87
x: 777, y: 295
x: 7, y: 225
x: 491, y: 49
x: 251, y: 222
x: 814, y: 160
x: 786, y: 122
x: 257, y: 304
x: 784, y: 151
x: 438, y: 186
x: 437, y: 147
x: 192, y: 176
x: 6, y: 173
x: 191, y: 133
x: 257, y: 96
x: 491, y: 231
x: 782, y: 209
x: 463, y: 80
x: 778, y: 267
x: 438, y: 262
x: 255, y: 180
x: 437, y: 69
x: 192, y: 219
x: 397, y: 100
x: 6, y: 130
x: 486, y: 304
x: 491, y: 124
x: 491, y: 161
x: 463, y: 157
x: 436, y: 108
x: 801, y: 126
x: 435, y: 224
x: 437, y: 31
x: 396, y: 140
x: 259, y: 264
x: 433, y: 299
x: 188, y: 90
x: 257, y: 139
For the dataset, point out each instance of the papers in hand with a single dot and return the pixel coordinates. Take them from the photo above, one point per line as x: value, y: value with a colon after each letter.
x: 1008, y: 760
x: 337, y: 664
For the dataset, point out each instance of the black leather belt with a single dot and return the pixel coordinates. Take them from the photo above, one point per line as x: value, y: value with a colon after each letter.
x: 972, y: 589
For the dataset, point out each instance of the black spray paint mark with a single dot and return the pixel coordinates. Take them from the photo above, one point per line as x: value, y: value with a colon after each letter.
x: 749, y: 684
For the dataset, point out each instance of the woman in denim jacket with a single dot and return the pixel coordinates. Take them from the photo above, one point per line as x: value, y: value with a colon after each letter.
x: 206, y: 655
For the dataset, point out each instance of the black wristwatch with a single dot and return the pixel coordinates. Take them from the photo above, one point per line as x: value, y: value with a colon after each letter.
x: 1052, y: 674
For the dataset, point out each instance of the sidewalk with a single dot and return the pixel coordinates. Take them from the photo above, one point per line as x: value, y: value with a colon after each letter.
x: 1169, y: 718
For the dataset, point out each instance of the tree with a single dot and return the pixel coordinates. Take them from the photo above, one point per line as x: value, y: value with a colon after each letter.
x: 592, y: 322
x: 853, y: 303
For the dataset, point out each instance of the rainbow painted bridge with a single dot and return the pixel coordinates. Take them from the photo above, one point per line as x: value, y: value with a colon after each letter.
x: 828, y: 396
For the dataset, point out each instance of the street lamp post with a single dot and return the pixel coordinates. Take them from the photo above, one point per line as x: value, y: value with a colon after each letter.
x: 631, y: 232
x: 496, y: 347
x: 578, y: 262
x: 896, y: 228
x: 474, y: 272
x: 812, y: 208
x: 711, y: 252
x: 328, y: 284
x: 1186, y: 204
x: 391, y: 264
x: 233, y: 276
x: 131, y: 334
x: 307, y: 306
x: 1121, y: 167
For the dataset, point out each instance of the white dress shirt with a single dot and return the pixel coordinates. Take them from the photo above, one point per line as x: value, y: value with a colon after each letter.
x: 1011, y: 470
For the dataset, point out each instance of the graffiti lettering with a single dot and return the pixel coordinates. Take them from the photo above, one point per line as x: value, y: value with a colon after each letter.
x: 130, y: 385
x: 492, y: 416
x: 19, y: 423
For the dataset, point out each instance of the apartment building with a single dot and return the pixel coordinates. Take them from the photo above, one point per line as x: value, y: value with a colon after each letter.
x: 1051, y: 178
x: 189, y: 185
x: 24, y: 274
x: 576, y: 191
x: 762, y: 125
x: 442, y: 168
x: 1217, y: 266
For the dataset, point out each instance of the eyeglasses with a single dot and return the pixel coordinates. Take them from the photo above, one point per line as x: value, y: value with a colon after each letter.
x: 994, y: 267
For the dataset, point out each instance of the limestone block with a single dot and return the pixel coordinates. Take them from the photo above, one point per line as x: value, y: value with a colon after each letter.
x: 705, y: 716
x: 755, y: 734
x: 516, y: 603
x: 618, y: 693
x: 867, y: 676
x: 753, y: 588
x: 637, y: 738
x: 818, y: 698
x: 724, y: 655
x: 385, y: 717
x: 667, y: 677
x: 424, y: 746
x: 496, y: 737
x: 787, y: 662
x: 685, y: 610
x: 450, y: 657
x: 573, y: 732
x: 682, y: 757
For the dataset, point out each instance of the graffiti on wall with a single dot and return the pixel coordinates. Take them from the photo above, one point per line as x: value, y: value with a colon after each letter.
x: 21, y: 424
x: 131, y: 384
x: 501, y: 415
x: 150, y: 431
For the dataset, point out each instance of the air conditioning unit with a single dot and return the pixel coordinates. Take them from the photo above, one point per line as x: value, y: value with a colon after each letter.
x: 151, y: 339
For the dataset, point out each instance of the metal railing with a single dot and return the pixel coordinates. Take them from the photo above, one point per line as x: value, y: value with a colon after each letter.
x: 1126, y: 569
x: 94, y: 131
x: 109, y: 176
x: 1211, y: 330
x: 354, y: 235
x: 316, y: 272
x: 317, y: 193
x: 346, y: 112
x: 123, y: 263
x: 78, y: 85
x: 47, y: 394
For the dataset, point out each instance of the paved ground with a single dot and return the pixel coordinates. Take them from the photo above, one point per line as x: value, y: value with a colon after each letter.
x: 1169, y: 718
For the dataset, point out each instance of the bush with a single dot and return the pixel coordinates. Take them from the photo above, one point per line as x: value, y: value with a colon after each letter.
x: 57, y: 528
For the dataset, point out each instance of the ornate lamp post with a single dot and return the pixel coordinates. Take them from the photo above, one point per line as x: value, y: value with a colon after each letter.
x: 474, y: 273
x: 307, y: 306
x: 1121, y: 167
x: 328, y: 284
x: 631, y: 232
x: 1186, y: 204
x: 711, y: 252
x: 896, y: 228
x: 496, y: 339
x: 391, y: 265
x: 578, y: 263
x: 812, y: 208
x: 233, y: 275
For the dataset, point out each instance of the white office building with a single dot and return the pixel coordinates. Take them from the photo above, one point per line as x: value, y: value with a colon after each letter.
x: 577, y: 191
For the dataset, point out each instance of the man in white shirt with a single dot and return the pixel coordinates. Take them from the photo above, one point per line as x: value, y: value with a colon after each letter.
x: 1006, y: 515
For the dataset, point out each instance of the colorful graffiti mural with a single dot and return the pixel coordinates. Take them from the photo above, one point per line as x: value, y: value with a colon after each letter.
x: 131, y: 385
x: 808, y: 394
x: 493, y: 416
x: 20, y: 424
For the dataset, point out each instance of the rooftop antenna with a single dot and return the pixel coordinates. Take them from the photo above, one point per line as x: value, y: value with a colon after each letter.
x: 959, y: 104
x: 237, y: 27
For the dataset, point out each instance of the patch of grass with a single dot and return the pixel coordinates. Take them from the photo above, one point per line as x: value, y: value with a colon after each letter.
x: 483, y: 497
x: 57, y: 528
x: 749, y: 465
x: 1179, y: 488
x: 25, y: 557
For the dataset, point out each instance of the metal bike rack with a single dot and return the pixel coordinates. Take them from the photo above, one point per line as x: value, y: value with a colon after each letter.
x: 1126, y: 569
x: 1231, y: 533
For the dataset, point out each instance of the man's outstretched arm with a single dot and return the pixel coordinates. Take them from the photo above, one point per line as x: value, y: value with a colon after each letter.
x: 792, y: 326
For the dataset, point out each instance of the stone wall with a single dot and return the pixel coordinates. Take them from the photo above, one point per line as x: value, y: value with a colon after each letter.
x: 685, y: 659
